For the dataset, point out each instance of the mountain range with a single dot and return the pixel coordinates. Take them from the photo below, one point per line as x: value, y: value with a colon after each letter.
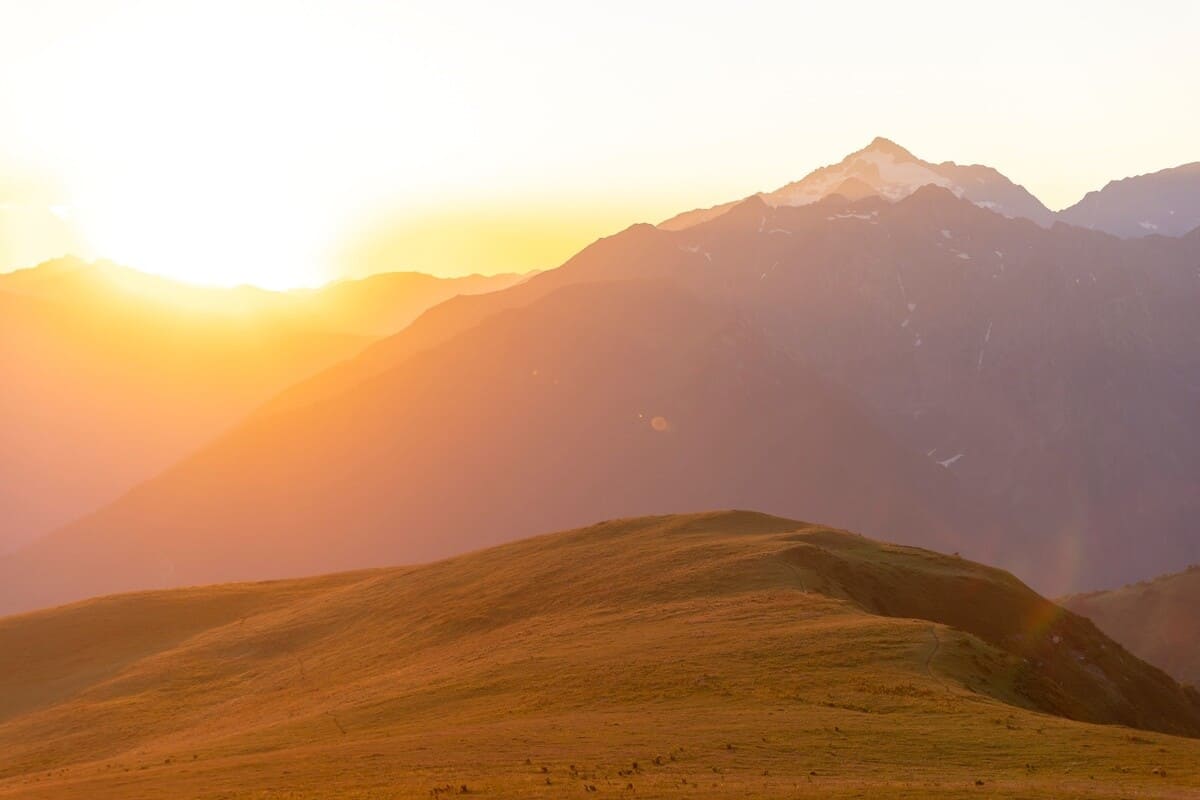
x: 1165, y: 202
x: 725, y: 654
x: 1162, y: 203
x: 111, y: 375
x: 920, y: 351
x: 905, y: 360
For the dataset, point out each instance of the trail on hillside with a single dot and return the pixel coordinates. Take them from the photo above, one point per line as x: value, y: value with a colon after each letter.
x: 937, y: 645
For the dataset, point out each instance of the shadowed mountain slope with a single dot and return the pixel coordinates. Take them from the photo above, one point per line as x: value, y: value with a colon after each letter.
x: 1159, y: 620
x: 600, y: 399
x: 1166, y: 202
x: 721, y: 654
x: 1055, y: 371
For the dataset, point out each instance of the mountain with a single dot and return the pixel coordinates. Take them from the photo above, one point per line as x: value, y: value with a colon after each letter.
x: 596, y: 400
x: 32, y: 227
x: 100, y: 394
x: 111, y: 375
x: 374, y: 306
x: 384, y: 303
x: 886, y: 169
x: 1053, y: 371
x: 726, y: 654
x: 1158, y: 619
x: 1165, y: 203
x: 1026, y: 396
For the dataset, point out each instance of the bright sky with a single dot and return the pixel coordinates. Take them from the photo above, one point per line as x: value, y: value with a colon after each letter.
x: 284, y: 142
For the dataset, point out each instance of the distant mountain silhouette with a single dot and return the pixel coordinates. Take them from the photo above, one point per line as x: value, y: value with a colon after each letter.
x: 377, y: 305
x: 110, y: 375
x: 382, y: 304
x: 1165, y: 202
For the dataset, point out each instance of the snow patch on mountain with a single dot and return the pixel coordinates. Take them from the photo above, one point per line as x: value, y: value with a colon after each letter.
x: 890, y: 170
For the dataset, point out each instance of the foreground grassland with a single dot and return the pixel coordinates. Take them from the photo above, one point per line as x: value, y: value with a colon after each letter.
x: 716, y: 655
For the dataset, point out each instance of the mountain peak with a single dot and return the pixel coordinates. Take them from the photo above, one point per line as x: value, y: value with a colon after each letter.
x: 881, y: 145
x: 886, y: 169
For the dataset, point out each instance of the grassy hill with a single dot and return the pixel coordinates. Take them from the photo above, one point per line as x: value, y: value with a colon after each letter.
x: 711, y: 655
x: 1159, y: 620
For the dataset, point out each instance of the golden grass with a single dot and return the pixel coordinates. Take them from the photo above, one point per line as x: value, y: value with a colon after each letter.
x: 677, y: 656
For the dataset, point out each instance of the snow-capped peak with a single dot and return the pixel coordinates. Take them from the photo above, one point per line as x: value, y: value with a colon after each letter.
x: 882, y: 145
x: 889, y: 169
x: 886, y: 169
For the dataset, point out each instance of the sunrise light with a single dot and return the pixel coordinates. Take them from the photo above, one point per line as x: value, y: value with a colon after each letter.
x: 270, y: 142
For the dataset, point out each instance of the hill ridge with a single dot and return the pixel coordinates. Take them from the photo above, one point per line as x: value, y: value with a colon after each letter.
x: 676, y: 631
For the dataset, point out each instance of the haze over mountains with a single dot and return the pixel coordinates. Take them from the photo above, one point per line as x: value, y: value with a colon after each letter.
x: 110, y: 375
x: 791, y: 461
x: 1157, y: 619
x: 911, y: 363
x: 725, y: 654
x: 1161, y: 203
x: 920, y: 351
x: 595, y: 400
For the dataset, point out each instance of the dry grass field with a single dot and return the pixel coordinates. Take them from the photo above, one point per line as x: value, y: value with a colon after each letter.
x: 713, y: 655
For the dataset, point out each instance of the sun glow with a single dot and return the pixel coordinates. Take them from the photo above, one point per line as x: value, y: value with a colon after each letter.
x: 251, y: 239
x: 229, y: 142
x: 191, y: 148
x: 186, y: 146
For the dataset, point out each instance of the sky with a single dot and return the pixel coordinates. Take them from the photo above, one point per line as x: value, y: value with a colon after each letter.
x: 287, y: 143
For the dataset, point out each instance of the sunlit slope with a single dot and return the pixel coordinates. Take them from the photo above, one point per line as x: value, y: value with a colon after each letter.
x: 98, y: 396
x: 1159, y: 620
x: 597, y: 401
x: 377, y: 305
x: 719, y: 654
x: 382, y: 304
x: 110, y: 375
